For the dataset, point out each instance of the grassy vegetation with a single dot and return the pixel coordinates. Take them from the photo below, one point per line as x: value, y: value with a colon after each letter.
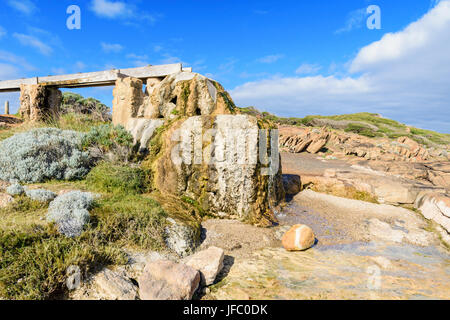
x: 362, y: 130
x: 347, y: 192
x: 70, y: 121
x: 34, y: 257
x: 386, y: 127
x: 113, y: 178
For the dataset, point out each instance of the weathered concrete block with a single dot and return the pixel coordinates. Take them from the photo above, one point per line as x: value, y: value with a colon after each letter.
x: 128, y: 97
x: 38, y: 102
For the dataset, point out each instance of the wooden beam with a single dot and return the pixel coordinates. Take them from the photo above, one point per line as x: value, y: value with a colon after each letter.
x: 93, y: 79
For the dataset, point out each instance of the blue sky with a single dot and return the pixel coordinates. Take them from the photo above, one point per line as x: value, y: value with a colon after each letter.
x: 292, y: 58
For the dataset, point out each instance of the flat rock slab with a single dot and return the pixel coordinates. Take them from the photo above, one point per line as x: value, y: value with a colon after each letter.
x: 209, y: 262
x: 167, y: 280
x: 114, y: 286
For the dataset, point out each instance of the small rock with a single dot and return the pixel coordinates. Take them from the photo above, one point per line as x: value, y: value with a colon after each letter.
x: 209, y: 262
x: 167, y: 280
x: 73, y: 280
x: 300, y: 237
x: 180, y: 238
x: 5, y: 199
x: 114, y: 286
x: 292, y: 184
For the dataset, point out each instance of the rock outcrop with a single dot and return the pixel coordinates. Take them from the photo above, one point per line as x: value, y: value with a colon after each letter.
x: 436, y: 207
x: 339, y: 143
x: 307, y: 140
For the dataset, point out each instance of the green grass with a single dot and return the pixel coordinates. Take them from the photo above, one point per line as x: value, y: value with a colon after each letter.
x: 114, y: 178
x: 33, y: 265
x: 133, y: 221
x: 362, y: 130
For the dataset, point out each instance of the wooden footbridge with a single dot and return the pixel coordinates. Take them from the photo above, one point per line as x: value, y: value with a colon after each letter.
x: 94, y: 79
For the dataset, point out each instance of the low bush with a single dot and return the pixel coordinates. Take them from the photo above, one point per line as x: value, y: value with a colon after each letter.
x: 15, y: 189
x: 114, y: 143
x: 41, y: 195
x: 70, y: 212
x: 111, y: 178
x: 43, y: 154
x: 77, y: 104
x: 362, y: 130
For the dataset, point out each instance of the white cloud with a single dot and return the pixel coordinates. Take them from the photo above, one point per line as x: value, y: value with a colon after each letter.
x: 58, y: 71
x: 122, y: 10
x: 354, y: 21
x: 307, y: 68
x: 8, y: 71
x: 16, y: 60
x: 33, y: 42
x: 79, y: 66
x: 271, y: 58
x: 137, y: 57
x: 405, y: 75
x: 111, y: 9
x: 111, y: 47
x: 23, y: 6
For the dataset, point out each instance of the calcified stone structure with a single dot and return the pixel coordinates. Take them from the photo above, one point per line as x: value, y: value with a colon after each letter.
x: 200, y: 147
x: 39, y: 102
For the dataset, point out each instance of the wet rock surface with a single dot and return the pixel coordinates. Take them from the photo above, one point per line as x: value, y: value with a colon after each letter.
x: 350, y: 260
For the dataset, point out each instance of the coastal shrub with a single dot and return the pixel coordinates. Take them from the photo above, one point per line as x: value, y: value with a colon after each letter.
x: 362, y: 130
x: 110, y: 178
x: 43, y: 154
x: 15, y: 189
x: 41, y: 195
x: 108, y: 141
x: 70, y: 212
x: 77, y: 104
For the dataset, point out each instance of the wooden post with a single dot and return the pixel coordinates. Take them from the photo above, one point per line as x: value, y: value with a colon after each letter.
x: 6, y: 107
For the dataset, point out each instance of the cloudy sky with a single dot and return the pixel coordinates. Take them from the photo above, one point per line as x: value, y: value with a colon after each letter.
x: 292, y: 58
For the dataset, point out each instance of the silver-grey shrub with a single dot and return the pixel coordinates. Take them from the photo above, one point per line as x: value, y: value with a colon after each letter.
x: 43, y: 154
x: 70, y: 212
x: 41, y: 195
x: 15, y: 189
